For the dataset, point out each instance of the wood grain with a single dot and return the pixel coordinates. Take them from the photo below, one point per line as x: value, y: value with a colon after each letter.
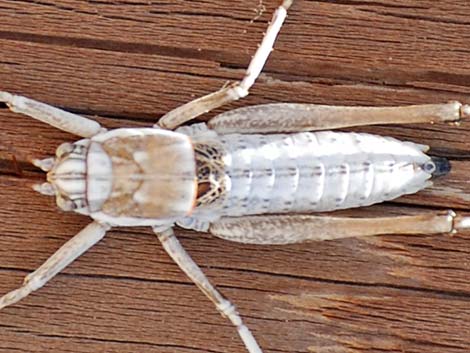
x: 128, y: 62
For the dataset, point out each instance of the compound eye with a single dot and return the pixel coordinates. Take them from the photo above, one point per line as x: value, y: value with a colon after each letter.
x: 65, y: 204
x: 79, y: 203
x: 64, y: 149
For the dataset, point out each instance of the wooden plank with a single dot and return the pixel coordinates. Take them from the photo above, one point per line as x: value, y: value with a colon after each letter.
x: 130, y: 62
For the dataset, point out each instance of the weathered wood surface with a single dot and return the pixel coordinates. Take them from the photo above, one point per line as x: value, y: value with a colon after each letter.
x: 131, y: 61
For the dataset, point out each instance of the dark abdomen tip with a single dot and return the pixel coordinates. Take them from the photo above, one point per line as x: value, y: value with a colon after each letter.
x: 439, y: 165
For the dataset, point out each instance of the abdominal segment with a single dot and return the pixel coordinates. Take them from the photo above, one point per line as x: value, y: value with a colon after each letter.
x: 313, y: 172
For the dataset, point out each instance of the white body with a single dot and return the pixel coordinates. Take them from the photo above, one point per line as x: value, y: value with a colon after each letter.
x: 195, y: 176
x: 309, y: 172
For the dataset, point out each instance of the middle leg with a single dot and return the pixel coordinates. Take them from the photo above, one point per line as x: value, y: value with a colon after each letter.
x: 199, y: 106
x: 176, y: 251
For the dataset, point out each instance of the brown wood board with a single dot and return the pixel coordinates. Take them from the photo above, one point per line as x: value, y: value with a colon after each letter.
x: 127, y: 63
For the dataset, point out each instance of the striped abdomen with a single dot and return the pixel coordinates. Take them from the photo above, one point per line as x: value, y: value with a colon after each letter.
x: 318, y: 171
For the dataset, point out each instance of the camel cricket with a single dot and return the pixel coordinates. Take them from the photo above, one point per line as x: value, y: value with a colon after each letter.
x: 252, y: 175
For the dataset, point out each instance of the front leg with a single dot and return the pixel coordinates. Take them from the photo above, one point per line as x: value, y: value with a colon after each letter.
x: 193, y: 109
x: 63, y: 257
x: 73, y: 123
x: 176, y: 251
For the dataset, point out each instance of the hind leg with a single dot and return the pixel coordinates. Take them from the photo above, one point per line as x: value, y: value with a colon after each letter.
x: 288, y: 229
x: 291, y: 117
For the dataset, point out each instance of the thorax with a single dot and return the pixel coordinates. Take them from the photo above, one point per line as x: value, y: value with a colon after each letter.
x: 140, y: 175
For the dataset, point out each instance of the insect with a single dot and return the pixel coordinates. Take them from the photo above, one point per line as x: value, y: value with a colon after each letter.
x: 251, y: 175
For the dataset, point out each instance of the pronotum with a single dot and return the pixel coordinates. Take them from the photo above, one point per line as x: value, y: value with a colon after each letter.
x: 252, y: 175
